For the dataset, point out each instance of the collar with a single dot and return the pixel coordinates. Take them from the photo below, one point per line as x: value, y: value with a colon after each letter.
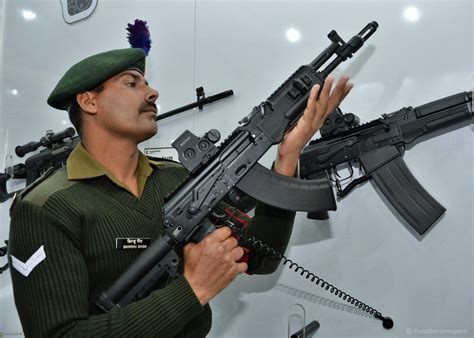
x: 81, y: 165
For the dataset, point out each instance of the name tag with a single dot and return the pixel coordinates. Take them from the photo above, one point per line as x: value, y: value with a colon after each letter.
x: 132, y: 243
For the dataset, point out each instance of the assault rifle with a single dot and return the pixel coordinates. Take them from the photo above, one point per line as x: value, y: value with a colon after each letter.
x: 58, y: 146
x: 378, y: 147
x: 216, y: 170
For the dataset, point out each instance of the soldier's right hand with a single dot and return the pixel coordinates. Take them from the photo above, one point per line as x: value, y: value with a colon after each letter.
x: 211, y: 265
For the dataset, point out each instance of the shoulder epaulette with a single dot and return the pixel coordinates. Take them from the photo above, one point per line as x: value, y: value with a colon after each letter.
x: 46, y: 186
x: 20, y: 195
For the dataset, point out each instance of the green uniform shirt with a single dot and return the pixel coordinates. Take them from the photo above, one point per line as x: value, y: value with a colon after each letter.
x: 63, y: 252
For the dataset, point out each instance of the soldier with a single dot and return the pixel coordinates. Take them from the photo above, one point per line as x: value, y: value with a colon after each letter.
x: 65, y: 229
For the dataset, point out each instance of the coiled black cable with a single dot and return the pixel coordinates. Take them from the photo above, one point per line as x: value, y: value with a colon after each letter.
x: 262, y: 248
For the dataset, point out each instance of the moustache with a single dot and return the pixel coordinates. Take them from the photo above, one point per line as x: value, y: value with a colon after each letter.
x: 148, y: 106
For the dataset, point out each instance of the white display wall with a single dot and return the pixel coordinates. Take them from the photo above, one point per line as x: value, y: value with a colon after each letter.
x: 422, y: 51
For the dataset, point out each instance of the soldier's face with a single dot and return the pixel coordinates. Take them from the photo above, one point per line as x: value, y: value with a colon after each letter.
x: 126, y: 106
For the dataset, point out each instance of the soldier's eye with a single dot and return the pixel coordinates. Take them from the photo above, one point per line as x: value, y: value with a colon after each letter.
x: 131, y: 84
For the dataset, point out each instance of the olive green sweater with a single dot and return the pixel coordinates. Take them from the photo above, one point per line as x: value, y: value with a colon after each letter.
x: 76, y: 224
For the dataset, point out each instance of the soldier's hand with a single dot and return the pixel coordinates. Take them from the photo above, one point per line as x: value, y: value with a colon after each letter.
x: 211, y: 265
x: 316, y: 112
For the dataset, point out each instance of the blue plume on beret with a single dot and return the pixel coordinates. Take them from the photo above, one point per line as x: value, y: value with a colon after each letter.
x: 139, y: 35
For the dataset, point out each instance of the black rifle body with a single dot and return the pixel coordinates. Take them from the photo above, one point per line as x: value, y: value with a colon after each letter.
x: 214, y: 171
x: 378, y: 146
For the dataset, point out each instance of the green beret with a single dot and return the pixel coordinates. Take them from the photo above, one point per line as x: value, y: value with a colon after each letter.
x: 94, y: 71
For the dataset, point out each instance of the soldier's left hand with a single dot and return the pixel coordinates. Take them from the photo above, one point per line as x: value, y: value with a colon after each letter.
x: 316, y: 112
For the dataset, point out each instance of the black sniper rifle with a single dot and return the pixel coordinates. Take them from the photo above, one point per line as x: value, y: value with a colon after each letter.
x: 58, y: 146
x: 214, y: 171
x: 378, y: 146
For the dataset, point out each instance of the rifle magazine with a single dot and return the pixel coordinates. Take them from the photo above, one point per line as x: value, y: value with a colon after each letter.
x: 288, y: 193
x: 407, y: 195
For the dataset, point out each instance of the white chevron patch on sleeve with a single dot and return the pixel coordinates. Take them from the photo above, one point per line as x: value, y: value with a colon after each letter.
x: 26, y: 268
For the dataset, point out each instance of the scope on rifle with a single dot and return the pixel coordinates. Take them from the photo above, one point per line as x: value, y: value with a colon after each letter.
x: 337, y: 122
x: 46, y: 141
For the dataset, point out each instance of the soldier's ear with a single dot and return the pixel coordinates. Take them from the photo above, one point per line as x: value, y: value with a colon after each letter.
x: 87, y: 101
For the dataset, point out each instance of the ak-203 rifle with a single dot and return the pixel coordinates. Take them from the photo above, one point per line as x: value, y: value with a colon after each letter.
x: 57, y: 147
x: 215, y: 170
x: 378, y: 147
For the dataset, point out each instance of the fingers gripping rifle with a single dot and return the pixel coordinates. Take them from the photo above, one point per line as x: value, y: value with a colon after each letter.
x: 378, y: 146
x: 215, y: 170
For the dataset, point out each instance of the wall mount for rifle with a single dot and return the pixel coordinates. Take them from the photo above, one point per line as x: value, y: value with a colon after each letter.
x: 201, y: 101
x: 308, y: 329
